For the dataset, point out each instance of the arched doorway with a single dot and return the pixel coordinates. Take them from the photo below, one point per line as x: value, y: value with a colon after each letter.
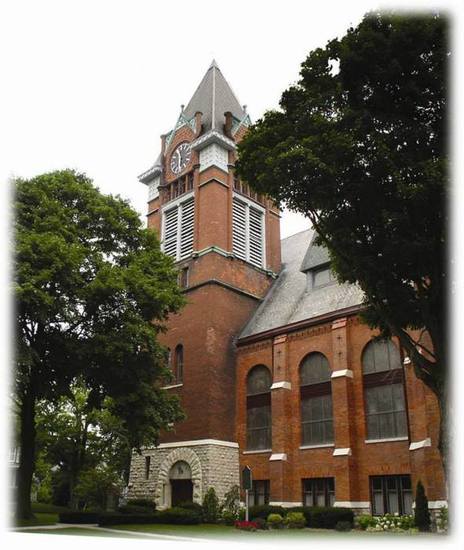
x: 180, y: 477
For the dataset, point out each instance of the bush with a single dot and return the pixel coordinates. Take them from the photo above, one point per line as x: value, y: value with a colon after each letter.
x: 142, y: 503
x: 421, y: 512
x: 179, y: 516
x: 263, y: 510
x: 231, y: 504
x: 132, y: 509
x: 210, y: 506
x: 295, y: 520
x: 305, y: 510
x: 229, y: 518
x: 327, y: 518
x: 260, y: 523
x: 442, y: 520
x: 391, y: 522
x: 343, y: 526
x: 246, y: 525
x: 275, y: 521
x: 78, y: 517
x: 364, y: 521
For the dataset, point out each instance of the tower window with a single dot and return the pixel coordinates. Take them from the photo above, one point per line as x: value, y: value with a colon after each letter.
x: 316, y: 400
x: 178, y: 229
x: 179, y: 364
x: 248, y: 231
x: 259, y: 408
x: 384, y: 391
x: 147, y: 466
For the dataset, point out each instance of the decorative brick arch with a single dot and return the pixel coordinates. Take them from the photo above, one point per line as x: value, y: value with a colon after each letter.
x: 192, y: 459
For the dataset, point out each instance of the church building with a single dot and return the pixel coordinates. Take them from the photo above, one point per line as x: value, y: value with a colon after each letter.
x: 271, y: 363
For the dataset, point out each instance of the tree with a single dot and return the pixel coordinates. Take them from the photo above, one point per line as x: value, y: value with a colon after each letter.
x: 421, y: 512
x: 359, y: 147
x: 92, y: 292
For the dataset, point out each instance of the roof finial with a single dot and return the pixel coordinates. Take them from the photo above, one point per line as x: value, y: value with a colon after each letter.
x: 213, y: 65
x: 182, y: 108
x: 244, y: 107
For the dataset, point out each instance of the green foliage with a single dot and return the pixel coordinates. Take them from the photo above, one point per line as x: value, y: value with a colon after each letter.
x: 263, y: 510
x: 389, y: 522
x: 95, y: 486
x: 111, y: 518
x: 230, y: 507
x: 260, y: 523
x: 143, y: 503
x: 180, y: 516
x: 275, y: 521
x: 365, y: 520
x: 328, y: 517
x: 210, y: 506
x: 359, y: 146
x: 78, y: 517
x: 343, y: 526
x: 421, y: 511
x: 442, y: 520
x: 295, y: 520
x: 93, y: 291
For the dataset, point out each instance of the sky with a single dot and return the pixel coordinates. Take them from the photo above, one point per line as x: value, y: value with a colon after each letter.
x: 91, y: 85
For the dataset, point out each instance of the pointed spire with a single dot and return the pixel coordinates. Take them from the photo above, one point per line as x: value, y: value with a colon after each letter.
x: 213, y: 98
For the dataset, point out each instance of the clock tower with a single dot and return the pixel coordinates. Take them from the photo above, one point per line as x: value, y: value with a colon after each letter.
x: 225, y: 240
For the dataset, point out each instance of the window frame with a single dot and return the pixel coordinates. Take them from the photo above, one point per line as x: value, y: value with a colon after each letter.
x: 259, y: 400
x: 311, y: 391
x: 259, y: 488
x: 328, y: 485
x: 250, y: 204
x: 393, y: 375
x: 177, y: 204
x: 179, y: 364
x: 385, y: 491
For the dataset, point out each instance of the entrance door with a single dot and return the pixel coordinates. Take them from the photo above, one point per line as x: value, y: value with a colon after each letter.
x: 181, y: 491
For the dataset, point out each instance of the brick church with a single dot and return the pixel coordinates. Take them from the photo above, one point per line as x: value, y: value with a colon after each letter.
x: 271, y: 363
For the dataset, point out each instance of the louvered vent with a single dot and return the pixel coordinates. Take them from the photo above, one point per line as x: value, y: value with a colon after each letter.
x: 255, y: 236
x: 187, y: 225
x: 239, y: 224
x: 248, y: 232
x: 171, y: 219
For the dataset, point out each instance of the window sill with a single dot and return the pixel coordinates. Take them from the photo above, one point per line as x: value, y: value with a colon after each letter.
x: 172, y: 386
x: 388, y: 440
x: 322, y: 446
x: 259, y: 451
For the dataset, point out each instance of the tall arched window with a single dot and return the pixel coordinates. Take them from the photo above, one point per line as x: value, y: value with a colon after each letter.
x: 179, y: 364
x: 316, y: 400
x: 259, y: 408
x: 384, y: 391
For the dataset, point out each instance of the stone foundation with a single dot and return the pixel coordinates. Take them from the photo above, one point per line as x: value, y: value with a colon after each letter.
x: 213, y: 463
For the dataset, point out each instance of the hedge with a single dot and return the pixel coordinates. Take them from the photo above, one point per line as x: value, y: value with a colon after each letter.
x: 174, y: 516
x: 263, y: 511
x: 121, y: 519
x: 79, y: 517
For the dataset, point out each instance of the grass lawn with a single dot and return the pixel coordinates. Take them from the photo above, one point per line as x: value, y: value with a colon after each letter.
x: 45, y: 514
x: 81, y: 532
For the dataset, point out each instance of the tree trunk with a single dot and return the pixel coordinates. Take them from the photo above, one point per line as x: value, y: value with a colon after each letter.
x: 27, y: 455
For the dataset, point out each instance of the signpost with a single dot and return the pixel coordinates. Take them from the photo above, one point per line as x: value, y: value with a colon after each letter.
x: 247, y: 481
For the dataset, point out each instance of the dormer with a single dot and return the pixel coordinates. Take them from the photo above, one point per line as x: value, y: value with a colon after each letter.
x: 316, y: 266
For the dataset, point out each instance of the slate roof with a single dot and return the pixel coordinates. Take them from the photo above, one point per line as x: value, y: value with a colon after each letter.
x: 213, y: 98
x: 288, y: 301
x: 315, y: 256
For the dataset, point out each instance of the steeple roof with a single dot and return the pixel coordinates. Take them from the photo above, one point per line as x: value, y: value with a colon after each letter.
x: 213, y: 98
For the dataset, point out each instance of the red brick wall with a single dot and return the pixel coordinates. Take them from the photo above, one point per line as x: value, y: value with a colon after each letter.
x: 342, y: 344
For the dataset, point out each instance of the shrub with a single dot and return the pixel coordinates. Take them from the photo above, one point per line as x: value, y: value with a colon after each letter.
x: 231, y: 503
x: 131, y: 509
x: 275, y: 521
x: 210, y: 506
x: 327, y: 518
x: 194, y: 506
x: 295, y: 520
x: 143, y: 503
x: 305, y: 510
x: 365, y: 520
x: 228, y: 518
x: 442, y: 520
x: 421, y: 512
x: 179, y: 516
x: 260, y: 523
x: 391, y: 522
x: 246, y: 525
x: 343, y: 526
x: 263, y: 510
x: 78, y: 517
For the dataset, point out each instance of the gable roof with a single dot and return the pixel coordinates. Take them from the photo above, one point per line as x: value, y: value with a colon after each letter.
x: 213, y: 98
x: 315, y: 255
x: 289, y: 300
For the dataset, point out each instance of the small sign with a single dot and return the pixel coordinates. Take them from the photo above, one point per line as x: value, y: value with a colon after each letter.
x: 247, y: 478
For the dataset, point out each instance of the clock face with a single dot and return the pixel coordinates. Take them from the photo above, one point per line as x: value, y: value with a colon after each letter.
x: 180, y: 158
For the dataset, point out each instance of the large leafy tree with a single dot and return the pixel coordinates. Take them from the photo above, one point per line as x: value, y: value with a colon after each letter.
x: 359, y: 147
x: 92, y: 292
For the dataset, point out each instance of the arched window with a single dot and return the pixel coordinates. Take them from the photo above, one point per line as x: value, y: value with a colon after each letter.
x: 179, y: 364
x: 384, y: 391
x: 316, y: 400
x: 259, y: 408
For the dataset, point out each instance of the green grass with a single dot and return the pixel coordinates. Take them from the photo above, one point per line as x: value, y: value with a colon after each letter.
x: 80, y: 532
x: 39, y: 519
x: 43, y: 508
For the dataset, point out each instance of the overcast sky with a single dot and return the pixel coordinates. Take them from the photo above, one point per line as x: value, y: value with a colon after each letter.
x: 91, y: 85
